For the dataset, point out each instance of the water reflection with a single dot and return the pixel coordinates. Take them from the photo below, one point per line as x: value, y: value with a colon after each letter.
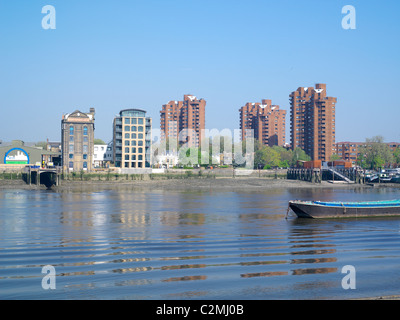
x: 166, y: 244
x: 185, y: 278
x: 298, y: 272
x: 265, y: 274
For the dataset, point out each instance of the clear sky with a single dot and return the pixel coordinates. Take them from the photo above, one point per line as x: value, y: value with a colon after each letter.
x: 119, y: 54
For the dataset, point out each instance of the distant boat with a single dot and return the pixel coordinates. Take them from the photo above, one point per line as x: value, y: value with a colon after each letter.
x: 320, y: 209
x: 395, y: 178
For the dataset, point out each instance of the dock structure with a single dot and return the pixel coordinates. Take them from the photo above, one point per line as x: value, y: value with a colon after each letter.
x: 310, y: 175
x: 316, y: 175
x: 47, y: 176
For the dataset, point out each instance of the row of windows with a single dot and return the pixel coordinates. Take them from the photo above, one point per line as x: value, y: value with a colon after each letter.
x: 134, y: 136
x: 71, y: 165
x: 71, y: 130
x: 133, y: 157
x: 71, y: 156
x: 139, y: 150
x: 133, y: 143
x: 71, y: 139
x: 135, y: 164
x: 133, y: 128
x: 85, y: 148
x: 133, y: 113
x: 133, y: 121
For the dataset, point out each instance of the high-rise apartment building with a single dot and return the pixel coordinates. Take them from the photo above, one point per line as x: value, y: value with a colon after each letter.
x: 132, y: 139
x: 184, y: 120
x: 312, y: 121
x: 267, y: 121
x: 77, y: 140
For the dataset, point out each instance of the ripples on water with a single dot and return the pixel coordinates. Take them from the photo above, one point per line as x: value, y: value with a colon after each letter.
x: 125, y: 244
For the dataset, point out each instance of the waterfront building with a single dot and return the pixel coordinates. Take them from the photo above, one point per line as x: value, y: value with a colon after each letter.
x: 184, y: 121
x: 77, y: 141
x: 54, y: 146
x: 267, y: 121
x: 18, y: 155
x: 109, y: 155
x: 349, y: 151
x: 393, y: 145
x: 167, y: 160
x: 312, y: 121
x: 132, y: 139
x: 99, y: 155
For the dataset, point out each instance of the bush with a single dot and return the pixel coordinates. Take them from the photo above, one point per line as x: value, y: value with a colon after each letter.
x: 189, y: 174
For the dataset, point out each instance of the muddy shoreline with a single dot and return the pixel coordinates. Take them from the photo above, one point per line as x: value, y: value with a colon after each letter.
x: 223, y: 184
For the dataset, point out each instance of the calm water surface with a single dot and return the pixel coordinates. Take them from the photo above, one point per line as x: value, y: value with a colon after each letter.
x: 129, y: 244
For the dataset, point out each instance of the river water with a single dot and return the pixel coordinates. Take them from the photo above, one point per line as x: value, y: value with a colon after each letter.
x: 129, y: 244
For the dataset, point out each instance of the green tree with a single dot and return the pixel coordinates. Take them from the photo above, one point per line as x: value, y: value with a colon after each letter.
x: 284, y: 164
x: 285, y: 154
x: 221, y: 143
x: 266, y: 156
x: 41, y: 144
x: 335, y: 156
x: 299, y: 155
x: 189, y: 156
x: 375, y: 154
x: 194, y: 156
x: 396, y: 156
x: 98, y: 141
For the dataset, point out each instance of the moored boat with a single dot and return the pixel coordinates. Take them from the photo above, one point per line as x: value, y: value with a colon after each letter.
x: 321, y: 209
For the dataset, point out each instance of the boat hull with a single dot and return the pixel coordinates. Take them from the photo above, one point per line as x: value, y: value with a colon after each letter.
x: 311, y: 210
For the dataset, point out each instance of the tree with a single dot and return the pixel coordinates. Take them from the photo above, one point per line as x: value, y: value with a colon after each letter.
x: 396, y: 156
x: 221, y: 144
x: 299, y: 155
x: 285, y: 156
x: 375, y: 154
x: 267, y: 156
x: 189, y: 156
x: 98, y: 141
x: 41, y: 144
x: 194, y: 156
x: 335, y: 156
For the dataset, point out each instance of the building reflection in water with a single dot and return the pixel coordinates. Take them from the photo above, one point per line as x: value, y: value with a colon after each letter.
x: 183, y: 208
x: 123, y: 215
x: 185, y: 278
x: 308, y: 239
x: 308, y: 244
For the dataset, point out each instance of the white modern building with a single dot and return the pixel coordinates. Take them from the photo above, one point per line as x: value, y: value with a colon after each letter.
x: 166, y: 161
x: 99, y: 155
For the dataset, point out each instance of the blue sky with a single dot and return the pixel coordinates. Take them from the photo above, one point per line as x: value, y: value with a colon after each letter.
x: 113, y: 55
